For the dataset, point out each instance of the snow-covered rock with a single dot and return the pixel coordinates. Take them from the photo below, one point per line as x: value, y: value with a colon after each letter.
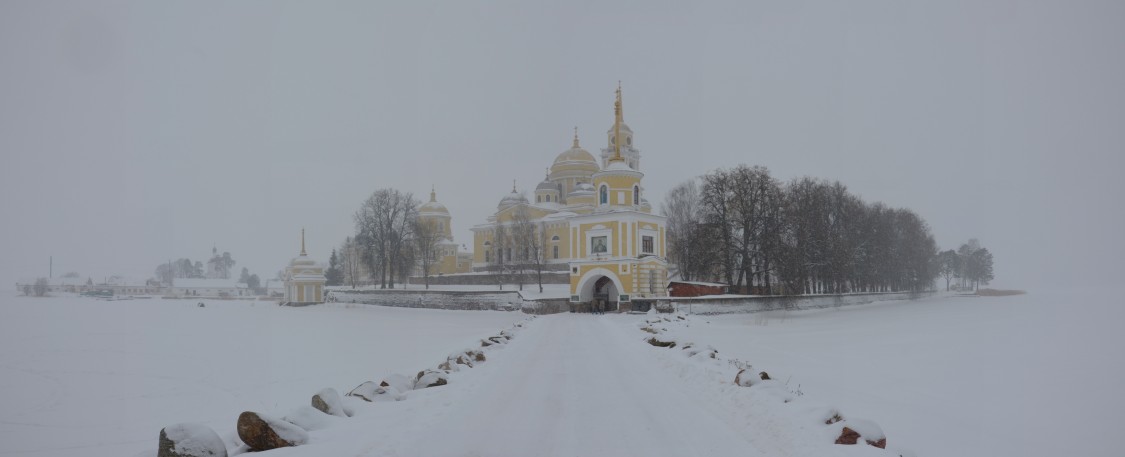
x: 190, y: 440
x: 706, y: 352
x: 262, y: 433
x: 430, y: 378
x: 854, y: 430
x: 746, y: 377
x: 310, y: 418
x: 399, y: 382
x: 369, y: 391
x: 450, y: 365
x: 328, y: 401
x: 365, y: 391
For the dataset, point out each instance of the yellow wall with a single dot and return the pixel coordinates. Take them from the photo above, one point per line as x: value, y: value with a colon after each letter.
x: 617, y: 184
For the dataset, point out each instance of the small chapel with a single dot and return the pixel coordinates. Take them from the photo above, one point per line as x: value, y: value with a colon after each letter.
x: 304, y: 279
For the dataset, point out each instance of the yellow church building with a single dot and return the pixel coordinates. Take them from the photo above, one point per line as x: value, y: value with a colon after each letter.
x: 593, y: 221
x: 447, y: 257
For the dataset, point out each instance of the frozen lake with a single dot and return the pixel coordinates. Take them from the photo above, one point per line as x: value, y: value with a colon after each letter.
x: 1037, y: 374
x: 83, y: 377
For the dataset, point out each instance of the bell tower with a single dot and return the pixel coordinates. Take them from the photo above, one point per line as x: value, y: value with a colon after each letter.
x: 625, y: 149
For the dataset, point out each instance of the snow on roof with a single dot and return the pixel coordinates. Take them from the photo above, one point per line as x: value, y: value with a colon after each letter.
x: 559, y: 215
x: 698, y: 283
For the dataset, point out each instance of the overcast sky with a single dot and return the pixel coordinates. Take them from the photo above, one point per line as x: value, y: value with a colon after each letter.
x: 137, y: 132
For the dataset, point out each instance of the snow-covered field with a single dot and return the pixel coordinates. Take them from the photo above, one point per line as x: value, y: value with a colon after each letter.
x: 83, y: 377
x: 1038, y: 374
x: 1023, y: 375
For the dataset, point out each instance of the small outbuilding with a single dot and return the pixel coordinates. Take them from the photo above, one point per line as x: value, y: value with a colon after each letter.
x: 304, y: 279
x: 695, y: 289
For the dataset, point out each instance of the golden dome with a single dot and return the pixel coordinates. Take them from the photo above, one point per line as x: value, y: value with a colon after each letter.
x: 575, y: 160
x: 575, y: 155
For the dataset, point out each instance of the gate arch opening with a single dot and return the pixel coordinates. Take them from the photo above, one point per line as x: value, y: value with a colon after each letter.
x: 600, y: 284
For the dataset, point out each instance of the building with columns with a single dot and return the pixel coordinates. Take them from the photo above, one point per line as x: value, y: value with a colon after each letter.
x: 589, y: 218
x: 304, y: 279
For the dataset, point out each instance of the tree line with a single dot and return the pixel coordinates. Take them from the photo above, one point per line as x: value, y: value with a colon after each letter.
x: 516, y: 252
x: 390, y: 240
x: 970, y: 264
x: 219, y: 266
x: 743, y: 227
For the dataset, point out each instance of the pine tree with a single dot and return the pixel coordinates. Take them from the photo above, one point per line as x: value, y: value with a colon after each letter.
x: 334, y: 275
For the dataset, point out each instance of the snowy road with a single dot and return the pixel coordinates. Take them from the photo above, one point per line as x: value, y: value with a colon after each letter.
x: 580, y: 385
x: 576, y: 385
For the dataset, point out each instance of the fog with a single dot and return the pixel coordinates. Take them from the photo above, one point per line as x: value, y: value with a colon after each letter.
x: 137, y: 132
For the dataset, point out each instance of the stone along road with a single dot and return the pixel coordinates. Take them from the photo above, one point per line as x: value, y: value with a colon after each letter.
x: 567, y: 385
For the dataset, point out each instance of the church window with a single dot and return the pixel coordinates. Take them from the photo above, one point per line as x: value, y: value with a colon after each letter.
x: 538, y: 199
x: 636, y: 195
x: 603, y: 195
x: 646, y: 244
x: 555, y: 238
x: 487, y: 255
x: 629, y: 140
x: 556, y: 251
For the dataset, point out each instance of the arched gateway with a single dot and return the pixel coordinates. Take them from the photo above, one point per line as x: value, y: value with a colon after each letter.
x: 600, y: 284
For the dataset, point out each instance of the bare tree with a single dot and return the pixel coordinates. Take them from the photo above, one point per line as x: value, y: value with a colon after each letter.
x: 426, y: 238
x: 351, y: 261
x: 526, y: 240
x: 384, y: 229
x: 41, y: 287
x: 717, y: 213
x: 686, y: 247
x: 501, y: 244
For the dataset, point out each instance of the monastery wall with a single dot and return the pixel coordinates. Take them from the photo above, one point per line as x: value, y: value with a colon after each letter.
x: 488, y: 279
x: 758, y: 303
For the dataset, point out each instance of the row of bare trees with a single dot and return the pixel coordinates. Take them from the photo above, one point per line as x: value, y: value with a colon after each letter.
x: 517, y: 252
x: 745, y: 228
x: 390, y: 241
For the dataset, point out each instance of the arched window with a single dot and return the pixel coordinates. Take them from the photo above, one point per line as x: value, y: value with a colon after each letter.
x: 538, y: 198
x: 603, y: 195
x: 555, y: 238
x: 636, y: 195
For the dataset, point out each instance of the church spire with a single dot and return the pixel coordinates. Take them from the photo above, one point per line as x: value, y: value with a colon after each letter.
x: 433, y: 194
x: 617, y: 121
x: 303, y: 242
x: 513, y: 186
x: 576, y: 137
